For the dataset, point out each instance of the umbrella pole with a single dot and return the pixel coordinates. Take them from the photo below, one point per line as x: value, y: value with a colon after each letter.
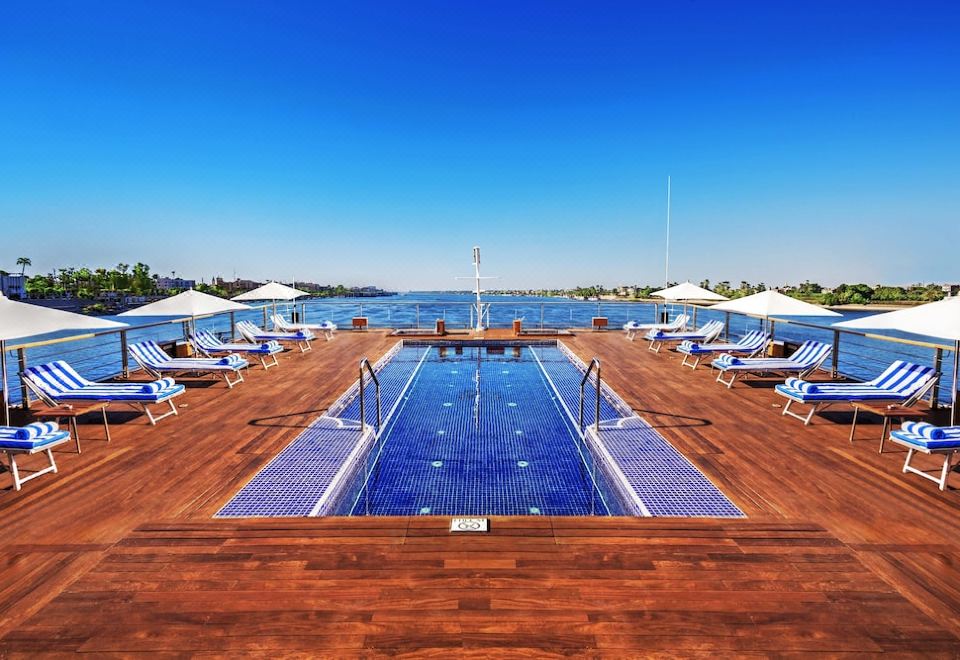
x: 3, y: 368
x: 956, y: 366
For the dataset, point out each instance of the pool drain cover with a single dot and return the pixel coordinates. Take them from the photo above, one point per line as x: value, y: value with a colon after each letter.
x: 469, y: 525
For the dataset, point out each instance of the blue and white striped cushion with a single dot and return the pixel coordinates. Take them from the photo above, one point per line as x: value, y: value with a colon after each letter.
x: 948, y: 436
x: 149, y: 354
x: 60, y: 381
x: 750, y: 343
x: 254, y: 332
x: 31, y: 436
x: 209, y: 343
x: 899, y: 382
x: 809, y: 354
x: 695, y: 335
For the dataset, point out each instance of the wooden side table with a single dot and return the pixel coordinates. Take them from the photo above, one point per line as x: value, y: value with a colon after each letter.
x: 888, y: 412
x: 71, y: 412
x: 599, y: 322
x: 359, y: 323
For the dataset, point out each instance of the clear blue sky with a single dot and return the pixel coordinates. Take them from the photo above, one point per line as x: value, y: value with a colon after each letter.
x: 377, y: 142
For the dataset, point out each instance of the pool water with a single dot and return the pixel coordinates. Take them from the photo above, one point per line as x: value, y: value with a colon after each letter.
x: 479, y: 430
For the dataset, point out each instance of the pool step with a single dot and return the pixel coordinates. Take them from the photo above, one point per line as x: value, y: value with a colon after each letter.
x: 660, y: 480
x: 300, y: 478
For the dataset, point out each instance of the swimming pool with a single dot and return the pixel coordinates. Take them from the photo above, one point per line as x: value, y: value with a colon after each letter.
x: 479, y: 429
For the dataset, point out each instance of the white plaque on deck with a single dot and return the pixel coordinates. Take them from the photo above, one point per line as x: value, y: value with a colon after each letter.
x: 469, y: 525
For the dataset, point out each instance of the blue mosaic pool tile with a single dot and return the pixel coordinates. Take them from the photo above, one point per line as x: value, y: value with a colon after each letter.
x: 662, y: 478
x: 295, y: 480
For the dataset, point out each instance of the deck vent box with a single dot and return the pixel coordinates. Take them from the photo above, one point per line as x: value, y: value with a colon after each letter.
x: 470, y: 525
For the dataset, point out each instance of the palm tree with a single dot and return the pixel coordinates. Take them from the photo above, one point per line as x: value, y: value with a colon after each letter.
x: 23, y: 262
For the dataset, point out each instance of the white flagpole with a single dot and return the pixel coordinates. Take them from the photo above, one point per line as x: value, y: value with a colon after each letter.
x: 956, y: 367
x: 476, y: 266
x: 666, y: 274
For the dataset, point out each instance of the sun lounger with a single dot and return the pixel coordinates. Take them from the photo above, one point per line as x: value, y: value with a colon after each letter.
x: 707, y: 333
x: 57, y: 383
x: 902, y: 383
x: 327, y: 327
x: 207, y: 343
x: 929, y: 439
x: 632, y: 328
x: 752, y: 343
x: 156, y: 362
x: 301, y: 338
x: 39, y: 437
x: 803, y: 362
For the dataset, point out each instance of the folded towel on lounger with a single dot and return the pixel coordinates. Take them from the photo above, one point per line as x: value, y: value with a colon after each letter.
x: 925, y: 430
x: 35, y: 430
x: 157, y: 386
x: 802, y: 385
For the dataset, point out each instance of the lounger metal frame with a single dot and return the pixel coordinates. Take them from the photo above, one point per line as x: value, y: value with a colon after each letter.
x: 948, y: 454
x: 303, y: 344
x: 783, y: 372
x: 225, y: 373
x: 283, y: 326
x: 211, y: 352
x: 823, y: 405
x: 657, y: 344
x: 47, y: 449
x: 647, y: 327
x: 699, y: 357
x: 143, y: 406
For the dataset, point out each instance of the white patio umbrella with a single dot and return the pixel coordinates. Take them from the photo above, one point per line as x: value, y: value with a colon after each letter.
x: 272, y: 291
x: 189, y: 303
x: 19, y: 320
x: 687, y: 291
x: 767, y: 304
x: 772, y: 303
x: 937, y: 319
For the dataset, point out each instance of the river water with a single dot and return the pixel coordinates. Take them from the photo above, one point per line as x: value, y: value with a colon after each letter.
x: 100, y: 357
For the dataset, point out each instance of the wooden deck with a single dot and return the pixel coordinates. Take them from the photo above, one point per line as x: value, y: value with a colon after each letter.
x: 840, y: 553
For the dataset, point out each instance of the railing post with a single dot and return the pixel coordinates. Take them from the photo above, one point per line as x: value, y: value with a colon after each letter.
x: 835, y: 357
x: 24, y: 393
x: 418, y: 316
x: 596, y: 419
x: 363, y: 409
x: 583, y: 381
x: 541, y: 316
x: 364, y: 362
x: 124, y: 358
x: 937, y: 368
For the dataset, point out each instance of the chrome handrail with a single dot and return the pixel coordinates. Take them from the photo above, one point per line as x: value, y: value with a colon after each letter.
x: 376, y: 382
x: 583, y: 381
